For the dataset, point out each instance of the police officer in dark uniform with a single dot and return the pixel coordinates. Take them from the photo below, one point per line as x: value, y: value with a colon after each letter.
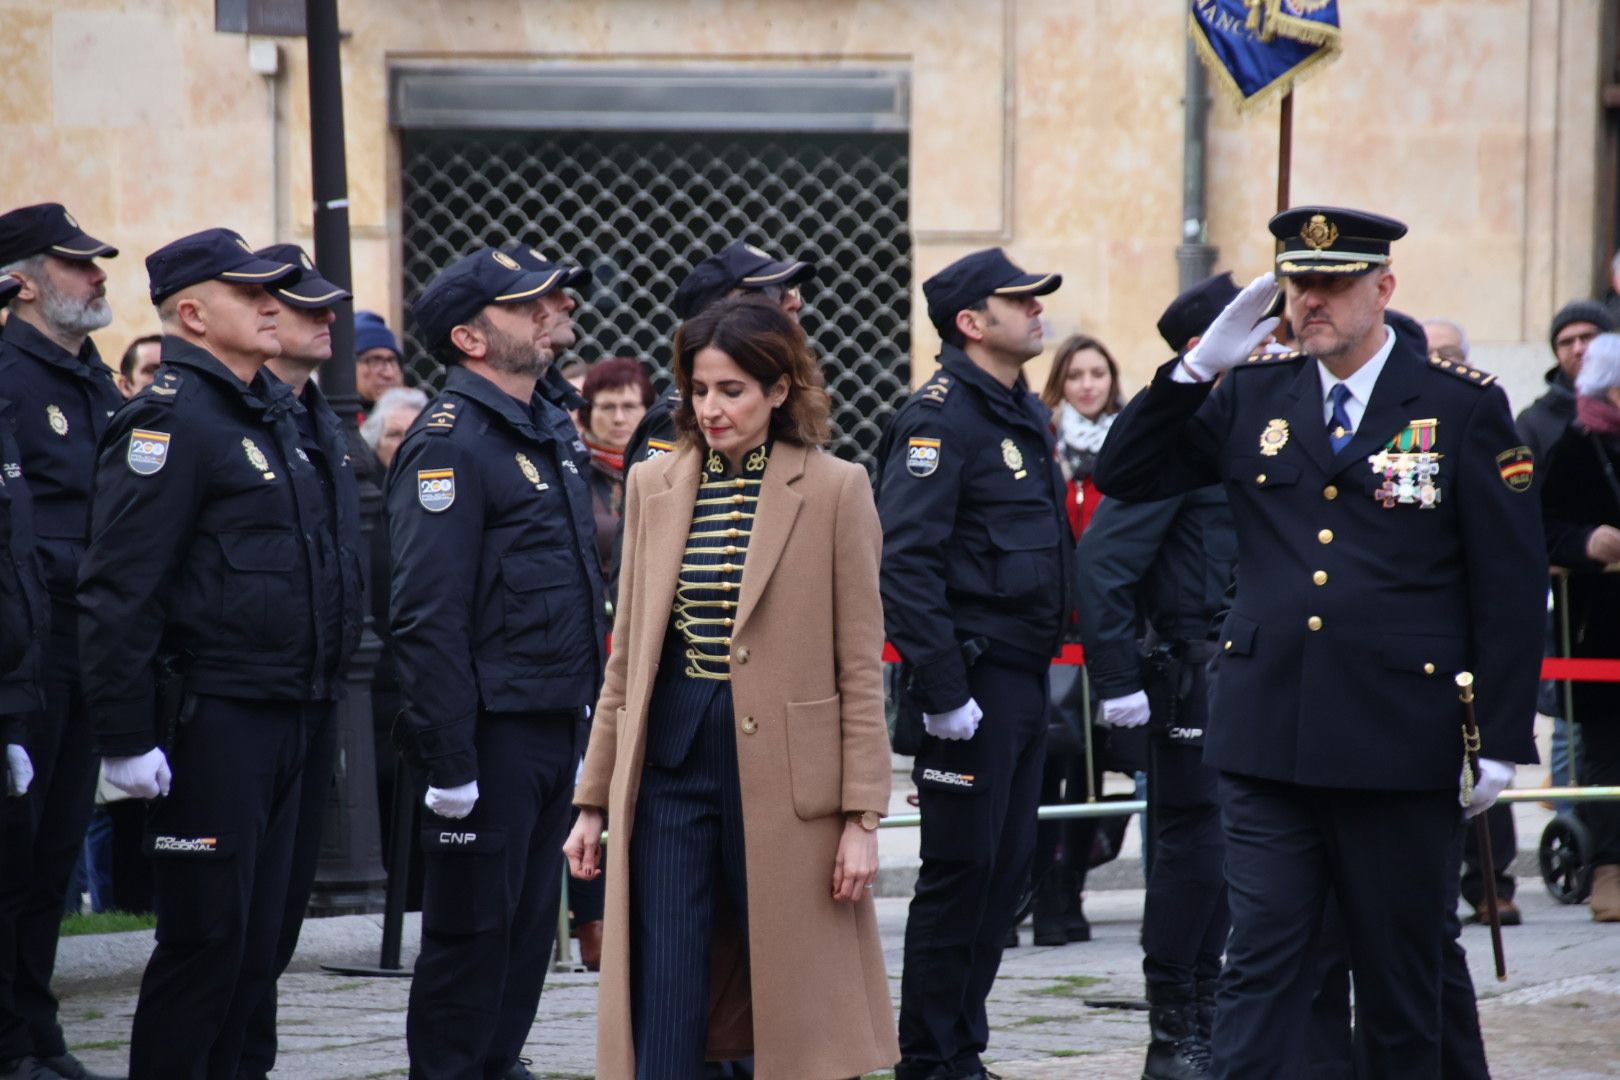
x: 1388, y: 538
x: 24, y: 604
x: 1168, y: 562
x: 739, y: 267
x: 499, y: 637
x: 218, y: 625
x: 307, y: 310
x: 62, y: 398
x: 975, y: 583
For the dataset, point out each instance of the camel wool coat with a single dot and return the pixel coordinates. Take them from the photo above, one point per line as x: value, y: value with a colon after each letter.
x: 810, y: 998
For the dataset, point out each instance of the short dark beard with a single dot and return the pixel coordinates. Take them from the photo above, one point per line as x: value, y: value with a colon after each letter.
x: 512, y: 356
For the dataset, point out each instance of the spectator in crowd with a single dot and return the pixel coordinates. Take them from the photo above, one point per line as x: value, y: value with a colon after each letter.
x: 1543, y: 421
x: 390, y: 418
x: 1581, y: 509
x: 139, y: 364
x: 1447, y: 340
x: 787, y: 648
x: 377, y: 359
x: 1541, y: 425
x: 1082, y: 390
x: 617, y: 393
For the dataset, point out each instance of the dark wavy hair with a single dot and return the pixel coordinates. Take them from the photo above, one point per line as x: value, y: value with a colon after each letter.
x: 1052, y: 393
x: 611, y: 374
x: 768, y: 345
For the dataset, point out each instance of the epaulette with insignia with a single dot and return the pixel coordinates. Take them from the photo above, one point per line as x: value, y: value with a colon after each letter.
x: 933, y: 393
x: 442, y: 419
x: 166, y: 385
x: 1462, y: 371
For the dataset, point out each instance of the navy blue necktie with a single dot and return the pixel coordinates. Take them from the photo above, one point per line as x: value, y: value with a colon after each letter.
x: 1338, y: 428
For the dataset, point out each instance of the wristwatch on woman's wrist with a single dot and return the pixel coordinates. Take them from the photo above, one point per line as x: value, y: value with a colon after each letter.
x: 866, y: 819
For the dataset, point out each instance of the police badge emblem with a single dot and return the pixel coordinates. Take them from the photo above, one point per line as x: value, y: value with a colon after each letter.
x: 55, y: 417
x: 148, y: 451
x: 1274, y: 438
x: 922, y: 457
x: 436, y: 489
x: 1319, y: 233
x: 256, y: 458
x: 530, y: 473
x: 1013, y: 458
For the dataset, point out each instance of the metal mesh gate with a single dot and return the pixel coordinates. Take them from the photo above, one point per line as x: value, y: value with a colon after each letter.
x: 640, y: 209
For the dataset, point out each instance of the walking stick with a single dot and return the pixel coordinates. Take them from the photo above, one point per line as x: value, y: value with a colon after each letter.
x: 1482, y: 827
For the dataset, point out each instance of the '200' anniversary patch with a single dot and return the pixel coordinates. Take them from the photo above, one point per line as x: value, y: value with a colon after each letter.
x: 436, y: 489
x: 922, y: 457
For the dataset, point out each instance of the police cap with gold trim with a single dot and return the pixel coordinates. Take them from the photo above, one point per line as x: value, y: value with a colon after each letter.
x: 976, y: 277
x: 47, y: 229
x: 470, y: 284
x: 311, y: 291
x: 562, y: 275
x: 1332, y: 240
x: 738, y: 265
x: 212, y: 255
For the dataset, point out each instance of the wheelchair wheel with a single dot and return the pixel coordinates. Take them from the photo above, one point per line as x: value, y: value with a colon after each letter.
x: 1565, y: 854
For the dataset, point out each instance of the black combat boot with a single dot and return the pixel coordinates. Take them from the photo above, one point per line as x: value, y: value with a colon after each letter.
x: 1205, y: 995
x: 1176, y: 1052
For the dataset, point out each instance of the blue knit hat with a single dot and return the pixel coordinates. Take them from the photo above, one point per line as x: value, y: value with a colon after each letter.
x: 370, y: 332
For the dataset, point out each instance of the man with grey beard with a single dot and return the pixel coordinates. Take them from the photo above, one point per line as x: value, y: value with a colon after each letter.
x: 62, y: 398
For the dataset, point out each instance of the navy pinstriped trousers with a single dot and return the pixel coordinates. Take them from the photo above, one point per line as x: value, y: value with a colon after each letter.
x: 686, y: 863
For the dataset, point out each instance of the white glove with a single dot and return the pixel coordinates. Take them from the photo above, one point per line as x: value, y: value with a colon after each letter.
x: 1236, y: 332
x: 960, y: 723
x: 456, y: 802
x: 1126, y: 712
x: 1493, y: 779
x: 19, y: 770
x: 145, y: 777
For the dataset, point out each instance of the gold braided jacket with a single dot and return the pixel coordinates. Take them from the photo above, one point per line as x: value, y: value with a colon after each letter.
x: 710, y: 578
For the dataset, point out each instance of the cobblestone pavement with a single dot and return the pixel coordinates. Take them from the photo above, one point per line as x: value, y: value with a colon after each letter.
x: 1558, y: 1015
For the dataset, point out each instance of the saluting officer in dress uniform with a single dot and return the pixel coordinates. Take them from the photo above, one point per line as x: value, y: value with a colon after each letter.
x: 25, y: 611
x: 63, y: 398
x: 499, y: 637
x: 1388, y: 538
x: 975, y: 582
x: 223, y: 631
x: 1171, y: 561
x: 307, y: 312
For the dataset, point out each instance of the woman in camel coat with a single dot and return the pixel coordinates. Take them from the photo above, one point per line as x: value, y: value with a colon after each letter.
x: 739, y: 749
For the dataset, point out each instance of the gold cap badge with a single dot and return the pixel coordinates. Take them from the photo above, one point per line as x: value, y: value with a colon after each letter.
x: 1319, y: 233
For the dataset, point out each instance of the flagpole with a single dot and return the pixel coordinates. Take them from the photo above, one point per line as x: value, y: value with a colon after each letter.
x: 1285, y: 149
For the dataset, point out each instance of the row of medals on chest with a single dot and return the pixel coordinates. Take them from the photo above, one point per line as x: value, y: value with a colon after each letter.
x: 1409, y: 465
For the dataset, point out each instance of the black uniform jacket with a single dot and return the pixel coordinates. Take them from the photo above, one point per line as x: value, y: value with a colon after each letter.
x: 1577, y: 496
x: 497, y: 595
x: 1352, y: 617
x: 25, y: 608
x: 976, y: 540
x: 202, y: 552
x: 62, y: 404
x: 1166, y: 563
x: 343, y: 579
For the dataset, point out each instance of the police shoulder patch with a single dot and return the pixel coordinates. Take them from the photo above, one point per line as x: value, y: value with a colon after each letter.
x: 436, y: 489
x: 148, y: 451
x: 922, y: 456
x: 1461, y: 371
x: 1517, y: 467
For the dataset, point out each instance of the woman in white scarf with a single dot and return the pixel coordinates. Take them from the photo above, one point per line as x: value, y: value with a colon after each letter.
x: 1082, y: 390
